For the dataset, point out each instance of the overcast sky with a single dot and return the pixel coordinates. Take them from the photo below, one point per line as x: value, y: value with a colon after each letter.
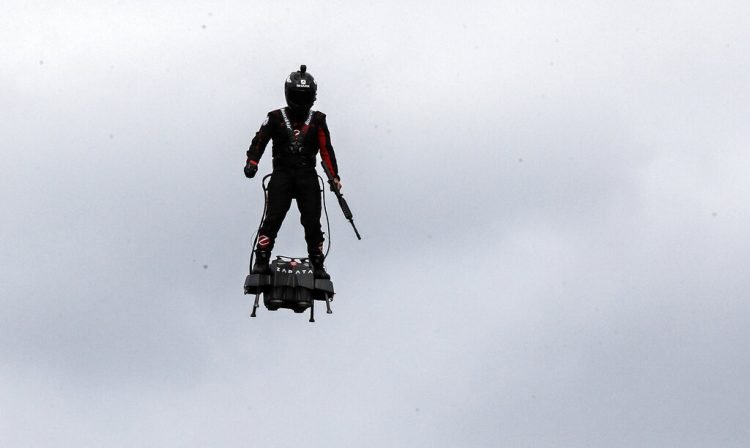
x: 552, y: 198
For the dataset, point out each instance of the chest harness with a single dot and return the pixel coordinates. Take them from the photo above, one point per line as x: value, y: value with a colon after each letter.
x: 296, y: 138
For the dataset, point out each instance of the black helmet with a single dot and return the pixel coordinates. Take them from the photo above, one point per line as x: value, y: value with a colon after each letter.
x: 300, y: 90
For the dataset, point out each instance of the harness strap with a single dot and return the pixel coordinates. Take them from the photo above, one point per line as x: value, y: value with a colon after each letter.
x: 296, y: 139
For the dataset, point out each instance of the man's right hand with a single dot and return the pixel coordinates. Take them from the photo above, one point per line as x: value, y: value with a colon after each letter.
x: 250, y: 169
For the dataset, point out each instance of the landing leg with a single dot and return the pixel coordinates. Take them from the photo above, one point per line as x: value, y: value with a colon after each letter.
x: 312, y: 311
x: 328, y: 304
x: 255, y: 305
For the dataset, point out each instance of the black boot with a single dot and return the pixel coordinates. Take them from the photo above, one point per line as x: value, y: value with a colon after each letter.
x: 262, y: 257
x: 317, y: 263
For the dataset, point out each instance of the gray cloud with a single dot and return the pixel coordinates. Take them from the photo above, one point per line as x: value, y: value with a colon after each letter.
x: 552, y: 200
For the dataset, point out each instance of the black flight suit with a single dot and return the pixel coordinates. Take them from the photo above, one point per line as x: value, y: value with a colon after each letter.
x: 294, y: 175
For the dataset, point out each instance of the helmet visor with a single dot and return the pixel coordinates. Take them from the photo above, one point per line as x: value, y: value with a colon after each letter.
x: 301, y: 97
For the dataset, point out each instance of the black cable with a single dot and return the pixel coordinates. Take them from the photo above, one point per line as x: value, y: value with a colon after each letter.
x: 325, y: 209
x: 262, y: 218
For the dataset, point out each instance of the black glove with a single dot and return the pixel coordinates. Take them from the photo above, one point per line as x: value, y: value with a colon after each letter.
x: 250, y: 170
